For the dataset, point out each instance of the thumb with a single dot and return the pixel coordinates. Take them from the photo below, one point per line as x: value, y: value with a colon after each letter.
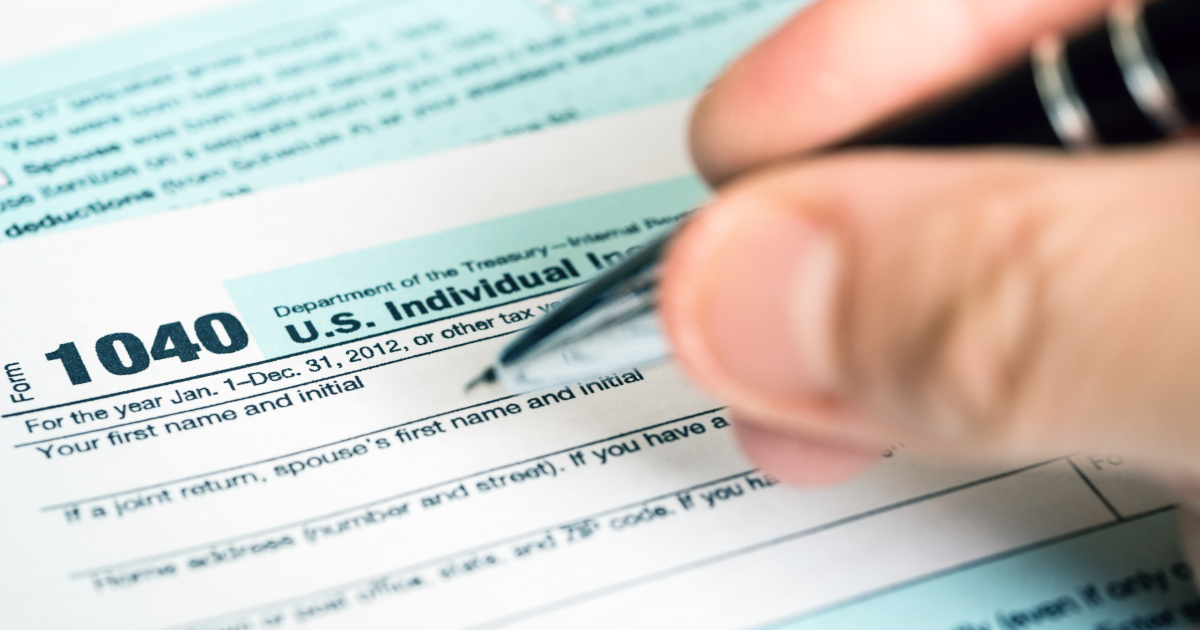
x: 990, y: 303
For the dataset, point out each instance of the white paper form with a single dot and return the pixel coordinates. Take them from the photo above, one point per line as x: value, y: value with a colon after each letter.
x: 252, y: 416
x: 267, y: 482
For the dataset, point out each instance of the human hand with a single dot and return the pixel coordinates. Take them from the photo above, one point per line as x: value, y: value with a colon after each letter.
x: 978, y: 304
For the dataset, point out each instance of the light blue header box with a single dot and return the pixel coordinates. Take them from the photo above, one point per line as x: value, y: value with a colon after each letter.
x: 450, y: 273
x: 278, y: 91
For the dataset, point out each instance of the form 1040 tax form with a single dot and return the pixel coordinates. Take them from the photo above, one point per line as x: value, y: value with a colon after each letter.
x: 252, y: 257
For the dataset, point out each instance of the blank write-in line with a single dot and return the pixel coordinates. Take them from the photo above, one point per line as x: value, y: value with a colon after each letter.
x: 684, y: 568
x: 269, y: 459
x: 361, y: 506
x: 809, y: 531
x: 472, y: 550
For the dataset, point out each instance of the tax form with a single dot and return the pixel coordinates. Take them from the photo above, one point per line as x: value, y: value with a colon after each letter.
x: 252, y: 258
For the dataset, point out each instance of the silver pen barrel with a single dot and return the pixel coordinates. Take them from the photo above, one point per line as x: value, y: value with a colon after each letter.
x: 608, y: 325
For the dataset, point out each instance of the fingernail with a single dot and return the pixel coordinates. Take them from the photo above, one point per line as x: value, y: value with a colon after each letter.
x: 767, y: 302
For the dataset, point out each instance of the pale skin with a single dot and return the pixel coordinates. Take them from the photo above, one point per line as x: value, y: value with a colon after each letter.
x: 984, y: 304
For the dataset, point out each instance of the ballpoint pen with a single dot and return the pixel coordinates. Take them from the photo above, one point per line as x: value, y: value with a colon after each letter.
x: 1135, y: 79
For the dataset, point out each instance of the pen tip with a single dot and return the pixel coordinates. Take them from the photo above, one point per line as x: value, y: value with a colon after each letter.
x: 487, y: 377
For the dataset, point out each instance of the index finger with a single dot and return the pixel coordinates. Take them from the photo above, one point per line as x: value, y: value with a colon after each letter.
x: 843, y: 64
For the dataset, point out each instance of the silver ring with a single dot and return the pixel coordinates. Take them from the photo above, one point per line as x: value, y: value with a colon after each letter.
x: 1066, y: 110
x: 1144, y: 75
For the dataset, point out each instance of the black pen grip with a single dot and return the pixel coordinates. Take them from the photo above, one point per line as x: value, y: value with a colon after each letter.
x: 1174, y: 27
x: 1086, y: 92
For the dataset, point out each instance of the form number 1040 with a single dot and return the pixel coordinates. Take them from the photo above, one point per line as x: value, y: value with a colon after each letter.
x: 170, y: 342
